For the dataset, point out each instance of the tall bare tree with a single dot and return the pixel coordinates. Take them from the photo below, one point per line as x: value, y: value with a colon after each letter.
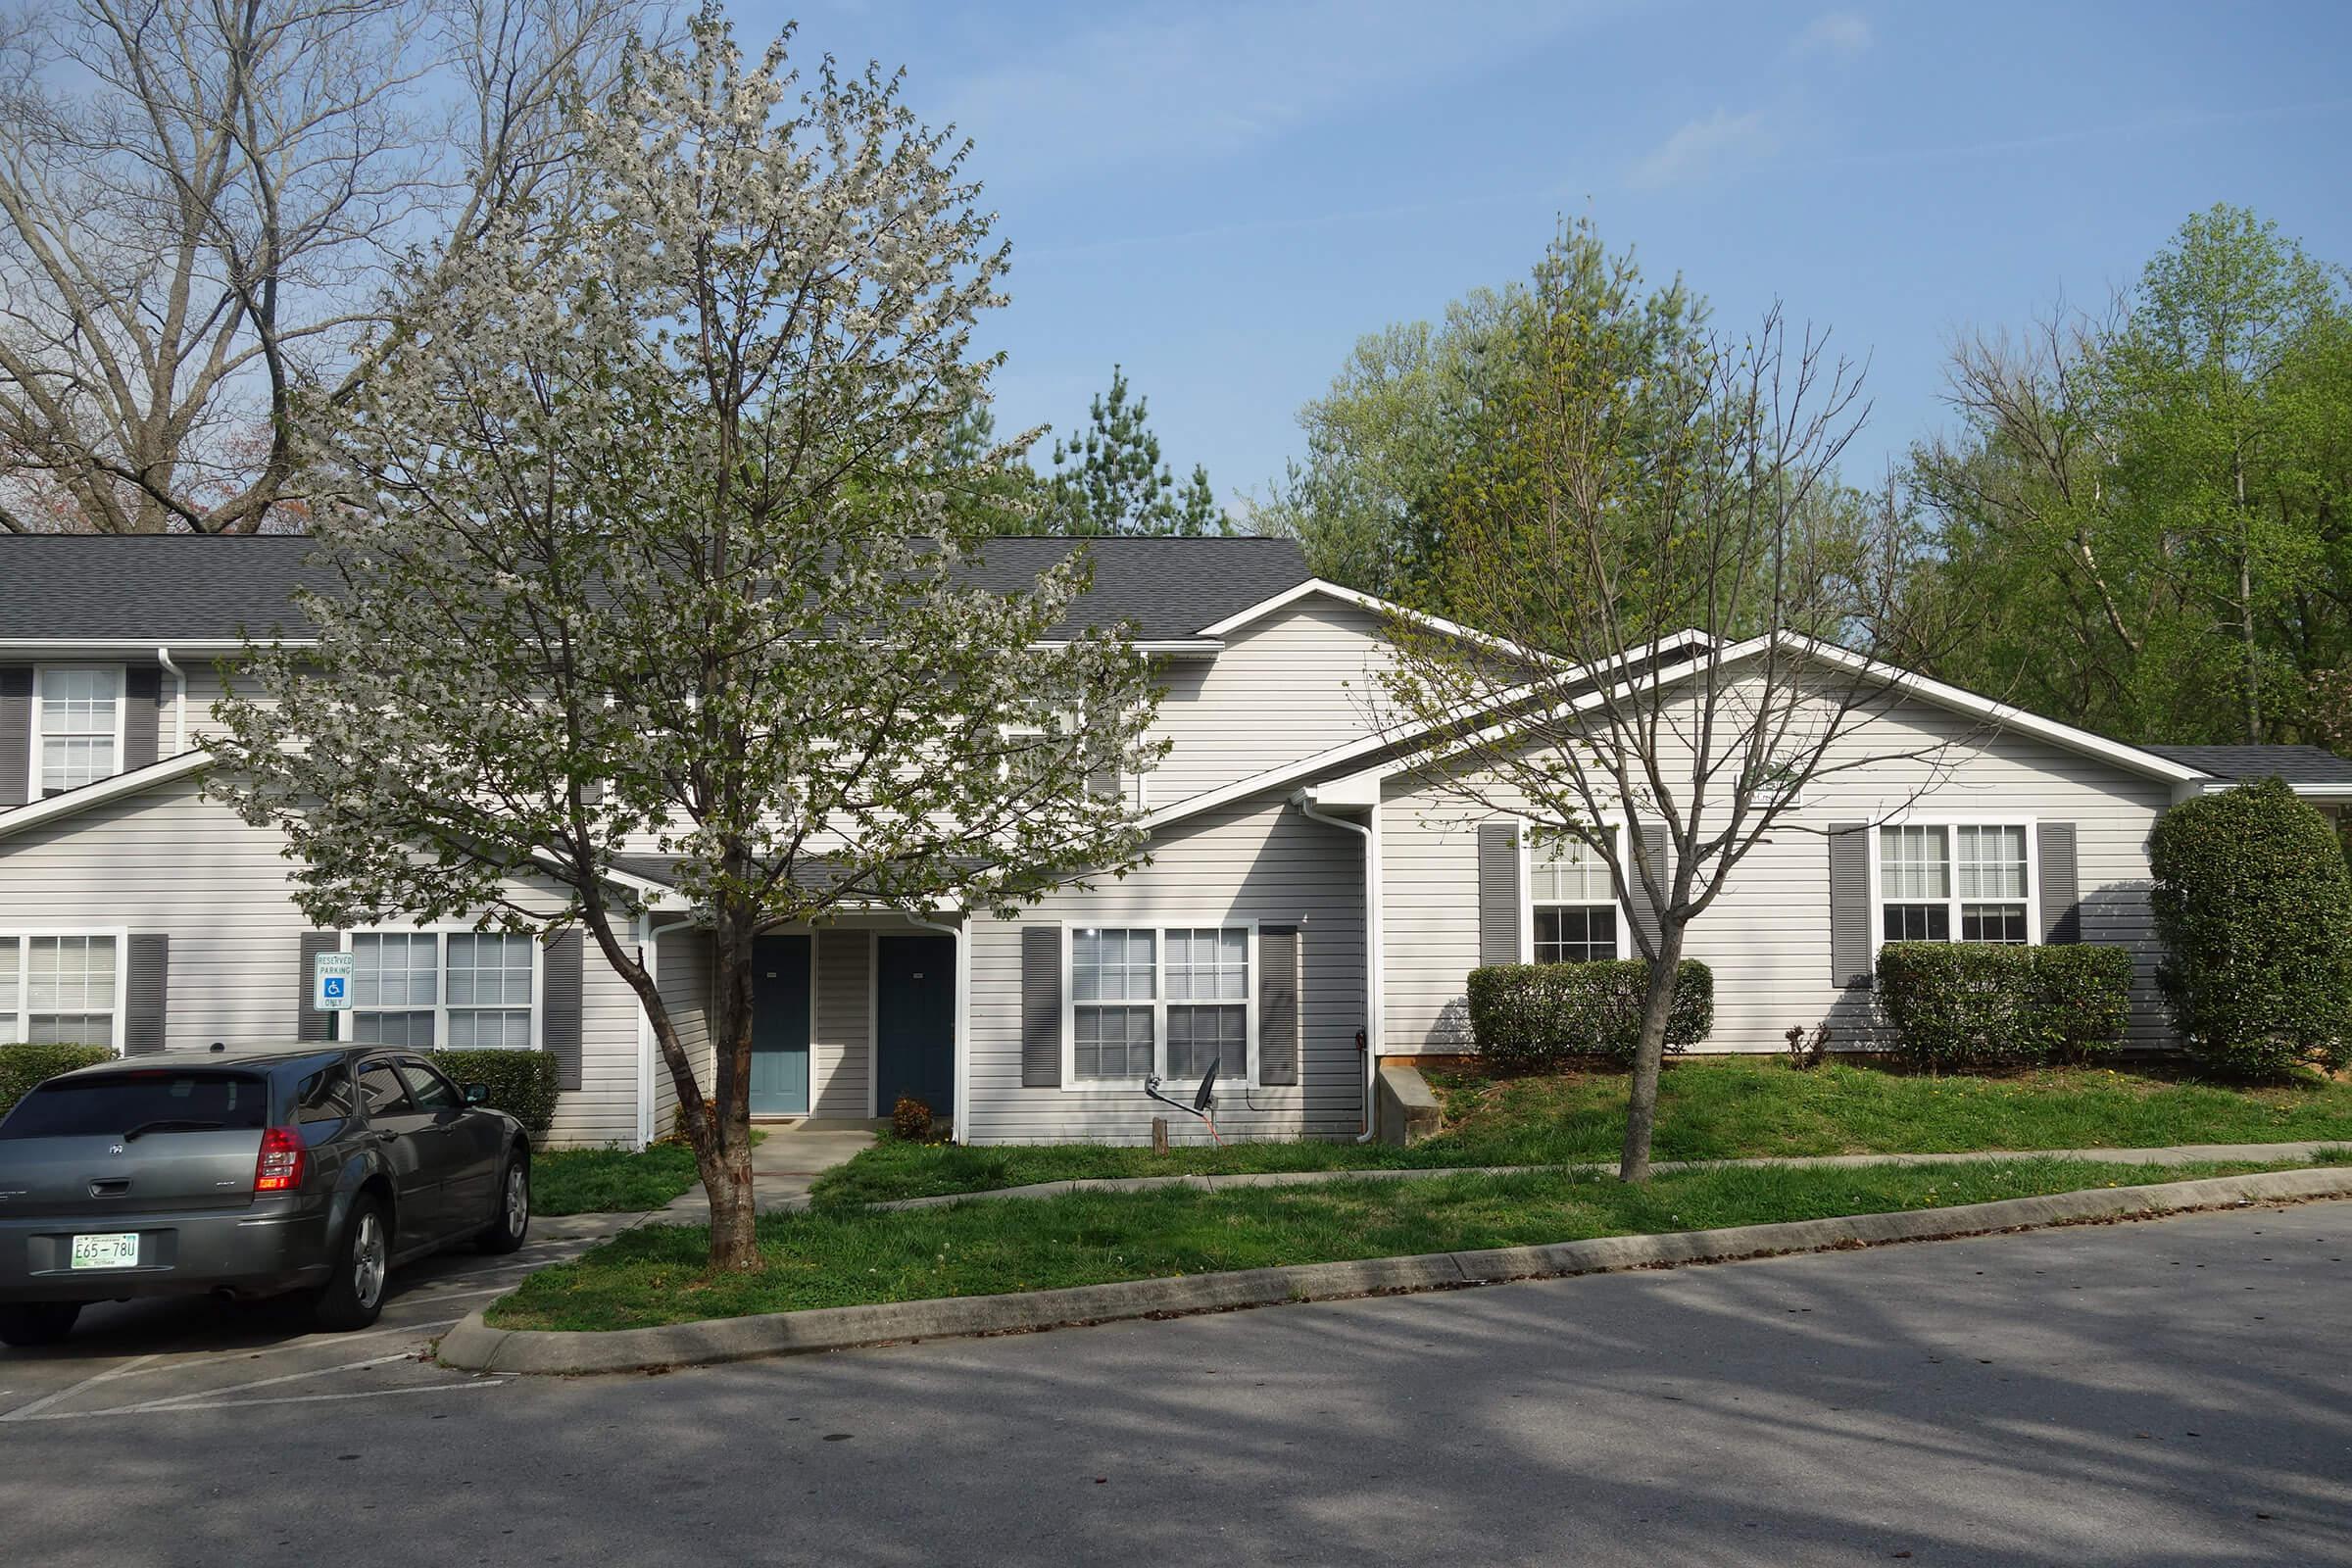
x: 1695, y: 617
x: 200, y: 203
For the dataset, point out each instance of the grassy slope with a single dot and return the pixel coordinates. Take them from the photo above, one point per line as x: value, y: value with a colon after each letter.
x: 1706, y: 1111
x: 612, y: 1181
x: 840, y: 1257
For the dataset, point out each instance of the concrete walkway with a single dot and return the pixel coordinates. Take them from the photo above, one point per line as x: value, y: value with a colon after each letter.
x: 783, y: 1165
x: 2176, y: 1154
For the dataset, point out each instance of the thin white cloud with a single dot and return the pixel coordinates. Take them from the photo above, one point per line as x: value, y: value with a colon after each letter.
x: 1842, y: 33
x: 1221, y: 80
x: 1703, y: 148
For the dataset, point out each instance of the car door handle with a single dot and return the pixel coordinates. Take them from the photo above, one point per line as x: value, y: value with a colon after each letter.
x: 385, y: 1135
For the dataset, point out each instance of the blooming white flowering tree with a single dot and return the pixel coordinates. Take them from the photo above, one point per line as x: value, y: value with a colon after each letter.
x: 633, y: 550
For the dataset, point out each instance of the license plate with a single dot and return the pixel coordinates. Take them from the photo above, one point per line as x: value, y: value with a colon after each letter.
x: 120, y: 1250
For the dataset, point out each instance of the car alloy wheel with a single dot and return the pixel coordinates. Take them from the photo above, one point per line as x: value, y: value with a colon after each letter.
x: 368, y: 1261
x: 518, y: 1199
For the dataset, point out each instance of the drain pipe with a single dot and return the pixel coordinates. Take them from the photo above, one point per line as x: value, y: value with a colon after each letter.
x: 964, y: 993
x: 648, y: 938
x: 180, y: 699
x: 1370, y: 833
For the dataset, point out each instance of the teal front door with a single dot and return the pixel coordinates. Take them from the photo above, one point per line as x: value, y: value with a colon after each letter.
x: 780, y: 992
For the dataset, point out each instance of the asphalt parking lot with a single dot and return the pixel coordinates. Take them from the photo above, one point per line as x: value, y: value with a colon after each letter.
x: 129, y: 1359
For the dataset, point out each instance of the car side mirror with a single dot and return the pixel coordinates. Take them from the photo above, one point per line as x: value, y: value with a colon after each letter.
x: 477, y: 1094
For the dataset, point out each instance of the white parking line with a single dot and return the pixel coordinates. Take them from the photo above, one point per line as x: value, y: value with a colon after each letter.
x: 170, y: 1399
x: 108, y: 1375
x: 285, y: 1399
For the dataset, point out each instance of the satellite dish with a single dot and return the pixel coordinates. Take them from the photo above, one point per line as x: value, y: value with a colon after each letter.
x: 1208, y: 1085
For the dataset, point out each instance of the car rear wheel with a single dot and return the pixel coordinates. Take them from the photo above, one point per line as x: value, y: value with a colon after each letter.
x: 37, y: 1322
x: 512, y: 1222
x: 353, y: 1295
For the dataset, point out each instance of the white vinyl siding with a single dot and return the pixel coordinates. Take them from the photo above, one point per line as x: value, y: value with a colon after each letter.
x: 77, y: 725
x: 1257, y: 862
x: 1767, y: 935
x: 218, y: 889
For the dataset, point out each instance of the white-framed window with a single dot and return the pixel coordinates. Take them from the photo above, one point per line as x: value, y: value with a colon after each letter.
x: 1573, y: 916
x: 444, y: 990
x: 77, y: 725
x: 1955, y: 881
x: 62, y: 988
x: 1159, y: 999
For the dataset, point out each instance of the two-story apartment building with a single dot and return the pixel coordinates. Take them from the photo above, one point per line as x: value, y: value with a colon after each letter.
x: 1315, y: 895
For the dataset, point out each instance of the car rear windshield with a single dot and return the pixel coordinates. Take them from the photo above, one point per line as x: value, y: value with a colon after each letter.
x: 160, y: 1102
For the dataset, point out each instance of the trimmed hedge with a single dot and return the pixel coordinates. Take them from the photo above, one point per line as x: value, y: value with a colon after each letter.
x: 2254, y: 906
x: 522, y: 1083
x: 1981, y: 1005
x: 23, y: 1067
x: 1535, y: 1016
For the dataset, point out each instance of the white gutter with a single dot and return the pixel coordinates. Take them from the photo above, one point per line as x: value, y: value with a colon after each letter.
x: 963, y: 1013
x: 1304, y: 799
x: 649, y: 954
x: 180, y: 699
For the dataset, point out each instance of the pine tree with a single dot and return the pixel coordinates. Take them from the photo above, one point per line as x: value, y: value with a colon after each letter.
x: 1113, y: 481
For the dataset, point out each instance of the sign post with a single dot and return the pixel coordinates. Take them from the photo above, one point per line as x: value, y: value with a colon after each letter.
x: 331, y: 985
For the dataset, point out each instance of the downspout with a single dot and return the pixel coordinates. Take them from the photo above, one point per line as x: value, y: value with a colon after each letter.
x: 1373, y: 938
x: 963, y: 996
x: 179, y: 701
x: 649, y: 953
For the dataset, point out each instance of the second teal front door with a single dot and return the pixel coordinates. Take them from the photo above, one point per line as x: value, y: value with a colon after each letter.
x: 780, y: 992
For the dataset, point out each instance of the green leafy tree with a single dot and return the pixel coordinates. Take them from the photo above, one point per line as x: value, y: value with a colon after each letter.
x: 2149, y: 509
x: 1113, y: 479
x: 636, y: 543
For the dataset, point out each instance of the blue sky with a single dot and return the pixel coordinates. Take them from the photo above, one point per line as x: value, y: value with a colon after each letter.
x: 1224, y: 198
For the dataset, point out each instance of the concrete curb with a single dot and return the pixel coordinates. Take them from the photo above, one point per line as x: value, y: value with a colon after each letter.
x: 473, y: 1346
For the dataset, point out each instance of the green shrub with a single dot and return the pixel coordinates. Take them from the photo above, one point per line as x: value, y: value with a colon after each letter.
x: 1536, y: 1015
x: 1981, y: 1005
x: 23, y: 1066
x: 2254, y: 906
x: 522, y: 1083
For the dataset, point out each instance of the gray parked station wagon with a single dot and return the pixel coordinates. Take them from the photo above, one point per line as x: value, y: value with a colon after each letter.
x: 247, y: 1174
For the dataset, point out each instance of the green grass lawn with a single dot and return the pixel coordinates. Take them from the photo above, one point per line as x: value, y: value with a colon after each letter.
x: 845, y: 1257
x: 1706, y: 1111
x: 612, y: 1181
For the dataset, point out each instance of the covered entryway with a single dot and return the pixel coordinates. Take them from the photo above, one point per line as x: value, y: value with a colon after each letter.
x: 781, y: 1024
x: 914, y: 1021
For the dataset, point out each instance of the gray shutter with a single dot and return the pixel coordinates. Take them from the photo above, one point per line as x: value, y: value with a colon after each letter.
x: 1849, y: 903
x: 1646, y: 918
x: 16, y: 735
x: 1041, y: 1006
x: 1498, y: 892
x: 2061, y: 894
x: 1278, y: 1005
x: 309, y: 1024
x: 560, y: 1007
x: 142, y: 690
x: 146, y: 984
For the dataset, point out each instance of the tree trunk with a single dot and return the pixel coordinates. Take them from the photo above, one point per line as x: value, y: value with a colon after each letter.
x: 2251, y: 649
x: 1649, y: 1055
x: 726, y: 1164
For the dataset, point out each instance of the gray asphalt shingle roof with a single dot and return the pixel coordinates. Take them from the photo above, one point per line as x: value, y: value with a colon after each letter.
x: 2297, y: 764
x: 177, y: 587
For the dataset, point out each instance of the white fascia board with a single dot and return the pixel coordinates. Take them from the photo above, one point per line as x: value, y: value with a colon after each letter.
x: 1354, y: 792
x: 134, y: 647
x: 1364, y: 601
x: 15, y: 819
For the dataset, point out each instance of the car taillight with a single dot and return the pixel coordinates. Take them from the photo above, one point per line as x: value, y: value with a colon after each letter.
x: 279, y: 1167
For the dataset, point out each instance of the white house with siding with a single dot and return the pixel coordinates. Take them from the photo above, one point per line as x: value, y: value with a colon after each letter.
x: 1314, y: 901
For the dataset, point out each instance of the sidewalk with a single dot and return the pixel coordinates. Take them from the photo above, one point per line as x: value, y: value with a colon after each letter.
x: 783, y: 1165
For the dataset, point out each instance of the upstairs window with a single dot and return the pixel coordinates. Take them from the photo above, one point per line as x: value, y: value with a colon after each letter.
x: 1575, y: 909
x: 1963, y: 882
x: 78, y: 720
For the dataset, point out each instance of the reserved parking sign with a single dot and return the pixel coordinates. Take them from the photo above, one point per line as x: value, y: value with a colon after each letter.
x: 331, y: 982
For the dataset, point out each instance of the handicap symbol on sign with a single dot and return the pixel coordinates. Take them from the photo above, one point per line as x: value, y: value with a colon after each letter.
x: 334, y: 986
